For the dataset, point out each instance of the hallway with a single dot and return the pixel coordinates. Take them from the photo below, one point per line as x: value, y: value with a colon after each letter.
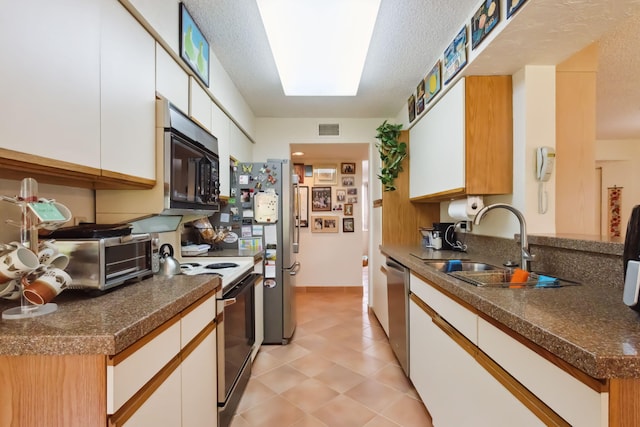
x: 338, y: 371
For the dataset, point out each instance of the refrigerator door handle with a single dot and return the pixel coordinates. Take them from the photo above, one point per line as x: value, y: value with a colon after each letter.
x: 296, y: 228
x: 293, y: 270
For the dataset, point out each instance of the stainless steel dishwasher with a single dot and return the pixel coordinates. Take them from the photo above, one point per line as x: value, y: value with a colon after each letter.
x: 398, y: 304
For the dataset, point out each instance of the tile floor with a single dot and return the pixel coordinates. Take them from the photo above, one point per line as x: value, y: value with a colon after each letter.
x: 338, y: 371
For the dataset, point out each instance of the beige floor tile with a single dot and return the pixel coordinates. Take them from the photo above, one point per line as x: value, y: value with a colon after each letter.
x: 344, y: 412
x: 275, y: 412
x: 408, y: 412
x: 264, y: 362
x: 309, y: 421
x: 340, y: 378
x: 380, y: 421
x: 374, y: 395
x: 309, y: 395
x: 338, y: 371
x: 312, y: 364
x: 282, y: 378
x: 255, y: 394
x: 394, y: 377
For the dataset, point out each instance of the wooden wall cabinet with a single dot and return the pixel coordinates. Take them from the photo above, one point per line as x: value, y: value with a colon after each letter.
x: 464, y: 144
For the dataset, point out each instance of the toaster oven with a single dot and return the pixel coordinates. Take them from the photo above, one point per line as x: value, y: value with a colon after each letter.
x: 103, y: 263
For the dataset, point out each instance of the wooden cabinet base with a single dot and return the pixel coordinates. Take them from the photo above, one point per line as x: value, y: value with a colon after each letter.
x: 71, y: 391
x: 15, y: 165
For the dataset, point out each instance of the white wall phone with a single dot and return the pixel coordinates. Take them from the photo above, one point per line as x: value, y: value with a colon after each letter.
x: 545, y: 160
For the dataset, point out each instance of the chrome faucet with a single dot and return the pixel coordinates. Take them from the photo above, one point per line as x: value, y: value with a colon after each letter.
x: 524, y: 243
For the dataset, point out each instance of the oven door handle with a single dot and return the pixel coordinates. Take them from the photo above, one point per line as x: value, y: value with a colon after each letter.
x: 225, y: 302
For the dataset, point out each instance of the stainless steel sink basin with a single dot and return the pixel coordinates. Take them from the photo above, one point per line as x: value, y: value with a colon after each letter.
x: 448, y: 266
x: 503, y: 278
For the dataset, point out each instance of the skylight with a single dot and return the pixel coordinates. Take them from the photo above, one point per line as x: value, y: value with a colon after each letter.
x: 319, y: 46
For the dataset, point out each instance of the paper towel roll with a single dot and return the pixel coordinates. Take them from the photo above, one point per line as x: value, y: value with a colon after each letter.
x: 465, y: 209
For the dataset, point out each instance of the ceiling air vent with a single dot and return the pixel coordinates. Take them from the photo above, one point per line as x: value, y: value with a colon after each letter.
x: 329, y: 129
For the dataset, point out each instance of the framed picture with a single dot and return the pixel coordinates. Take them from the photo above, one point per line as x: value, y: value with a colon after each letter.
x: 348, y: 225
x: 308, y: 171
x: 348, y: 209
x: 325, y: 175
x: 302, y: 206
x: 321, y: 199
x: 513, y: 6
x: 420, y: 97
x: 348, y: 168
x: 347, y: 181
x: 455, y: 56
x: 432, y: 83
x: 324, y: 224
x: 484, y: 20
x: 353, y: 199
x: 194, y: 48
x: 411, y: 105
x: 298, y: 169
x: 352, y: 191
x: 341, y: 195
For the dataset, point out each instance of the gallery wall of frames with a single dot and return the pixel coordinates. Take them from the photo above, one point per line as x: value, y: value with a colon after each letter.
x: 328, y: 196
x: 454, y: 58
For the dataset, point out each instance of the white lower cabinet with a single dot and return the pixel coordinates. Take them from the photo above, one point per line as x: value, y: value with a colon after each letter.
x: 170, y: 379
x: 577, y: 403
x: 456, y: 390
x: 162, y: 408
x: 199, y: 385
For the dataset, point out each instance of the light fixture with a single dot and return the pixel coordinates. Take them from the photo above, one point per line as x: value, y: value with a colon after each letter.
x: 297, y: 153
x: 319, y: 46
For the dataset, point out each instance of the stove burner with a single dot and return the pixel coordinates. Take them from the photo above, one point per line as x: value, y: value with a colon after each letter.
x: 219, y: 265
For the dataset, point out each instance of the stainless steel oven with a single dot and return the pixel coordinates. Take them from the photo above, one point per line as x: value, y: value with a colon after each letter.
x: 236, y: 337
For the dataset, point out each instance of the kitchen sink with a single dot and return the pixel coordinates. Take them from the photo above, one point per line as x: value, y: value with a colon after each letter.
x: 448, y: 266
x: 503, y: 278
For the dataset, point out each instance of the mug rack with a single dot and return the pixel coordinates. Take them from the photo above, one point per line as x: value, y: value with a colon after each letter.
x: 36, y: 213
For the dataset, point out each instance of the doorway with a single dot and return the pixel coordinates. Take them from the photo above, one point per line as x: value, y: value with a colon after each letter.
x: 335, y: 257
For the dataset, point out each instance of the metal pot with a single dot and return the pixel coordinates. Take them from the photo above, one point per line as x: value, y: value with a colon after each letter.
x: 169, y: 266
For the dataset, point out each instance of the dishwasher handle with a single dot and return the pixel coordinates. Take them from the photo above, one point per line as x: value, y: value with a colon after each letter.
x: 394, y: 265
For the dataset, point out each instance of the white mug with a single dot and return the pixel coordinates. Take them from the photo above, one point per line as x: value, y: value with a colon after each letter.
x: 16, y: 263
x: 46, y: 287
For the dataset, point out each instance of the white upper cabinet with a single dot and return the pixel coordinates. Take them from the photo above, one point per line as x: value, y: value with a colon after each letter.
x: 172, y: 81
x: 464, y: 144
x: 199, y: 104
x: 127, y: 94
x: 437, y: 146
x: 50, y: 79
x: 162, y: 15
x: 220, y: 124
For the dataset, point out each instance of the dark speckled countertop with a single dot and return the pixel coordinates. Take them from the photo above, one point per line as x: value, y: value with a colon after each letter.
x: 587, y: 326
x: 106, y: 324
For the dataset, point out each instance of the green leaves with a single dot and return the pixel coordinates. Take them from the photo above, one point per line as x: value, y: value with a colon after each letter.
x: 392, y: 153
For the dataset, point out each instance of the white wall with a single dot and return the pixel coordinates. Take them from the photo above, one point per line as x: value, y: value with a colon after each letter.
x: 78, y: 200
x: 327, y: 259
x: 533, y: 126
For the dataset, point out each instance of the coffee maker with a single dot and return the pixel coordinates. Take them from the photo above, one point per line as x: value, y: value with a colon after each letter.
x: 440, y: 236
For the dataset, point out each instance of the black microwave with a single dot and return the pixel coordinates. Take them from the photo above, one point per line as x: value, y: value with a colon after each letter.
x: 191, y: 165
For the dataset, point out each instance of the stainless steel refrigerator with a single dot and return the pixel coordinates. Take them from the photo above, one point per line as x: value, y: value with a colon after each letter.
x: 271, y: 220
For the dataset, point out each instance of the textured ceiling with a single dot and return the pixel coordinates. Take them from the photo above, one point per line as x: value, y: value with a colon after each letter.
x: 410, y: 35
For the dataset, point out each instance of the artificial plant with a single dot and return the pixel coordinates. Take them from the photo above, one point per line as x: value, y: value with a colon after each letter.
x: 392, y: 153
